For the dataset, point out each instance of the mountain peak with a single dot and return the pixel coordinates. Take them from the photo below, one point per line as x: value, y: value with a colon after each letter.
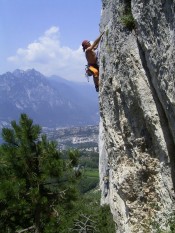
x: 33, y: 72
x: 18, y: 72
x: 48, y: 102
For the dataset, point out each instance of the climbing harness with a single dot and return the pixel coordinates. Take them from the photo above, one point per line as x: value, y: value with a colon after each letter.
x: 90, y: 70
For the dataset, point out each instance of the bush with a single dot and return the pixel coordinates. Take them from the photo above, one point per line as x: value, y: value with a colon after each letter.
x: 127, y: 19
x: 100, y: 217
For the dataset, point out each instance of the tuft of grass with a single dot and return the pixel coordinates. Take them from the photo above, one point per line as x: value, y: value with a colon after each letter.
x: 128, y: 20
x: 104, y: 62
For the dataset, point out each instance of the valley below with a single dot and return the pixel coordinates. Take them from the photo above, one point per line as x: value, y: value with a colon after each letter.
x: 83, y: 138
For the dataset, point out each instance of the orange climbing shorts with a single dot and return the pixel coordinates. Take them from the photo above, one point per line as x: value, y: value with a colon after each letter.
x: 92, y: 71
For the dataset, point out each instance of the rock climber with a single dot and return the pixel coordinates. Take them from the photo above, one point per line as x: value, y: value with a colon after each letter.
x: 92, y: 59
x: 106, y: 182
x: 106, y: 185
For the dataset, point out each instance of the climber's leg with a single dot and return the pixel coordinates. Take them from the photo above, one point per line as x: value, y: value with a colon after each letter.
x: 96, y: 82
x: 95, y: 73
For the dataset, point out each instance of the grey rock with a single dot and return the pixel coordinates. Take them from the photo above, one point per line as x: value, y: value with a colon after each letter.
x: 137, y: 109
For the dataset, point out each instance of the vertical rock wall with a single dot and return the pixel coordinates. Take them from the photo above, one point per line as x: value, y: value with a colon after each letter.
x: 137, y: 107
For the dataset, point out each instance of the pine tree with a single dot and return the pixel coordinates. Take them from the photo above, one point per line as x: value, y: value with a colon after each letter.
x: 32, y: 176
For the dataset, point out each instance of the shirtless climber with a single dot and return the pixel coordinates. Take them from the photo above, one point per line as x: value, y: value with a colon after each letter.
x: 91, y: 57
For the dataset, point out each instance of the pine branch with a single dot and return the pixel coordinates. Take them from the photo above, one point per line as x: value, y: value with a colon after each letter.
x: 29, y: 228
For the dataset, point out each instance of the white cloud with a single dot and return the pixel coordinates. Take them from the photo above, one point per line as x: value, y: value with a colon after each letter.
x: 48, y: 56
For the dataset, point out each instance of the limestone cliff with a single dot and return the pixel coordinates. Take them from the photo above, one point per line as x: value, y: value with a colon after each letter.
x: 137, y: 108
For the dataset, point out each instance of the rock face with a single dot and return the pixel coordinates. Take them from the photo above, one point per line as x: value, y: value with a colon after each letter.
x: 137, y: 109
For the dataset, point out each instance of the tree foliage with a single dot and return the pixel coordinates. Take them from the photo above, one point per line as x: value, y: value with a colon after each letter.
x: 90, y: 217
x: 39, y: 188
x: 32, y: 191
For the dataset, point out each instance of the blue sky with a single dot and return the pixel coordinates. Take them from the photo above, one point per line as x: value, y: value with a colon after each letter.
x: 46, y: 35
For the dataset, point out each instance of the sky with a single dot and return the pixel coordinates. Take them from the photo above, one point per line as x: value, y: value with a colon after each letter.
x: 46, y: 35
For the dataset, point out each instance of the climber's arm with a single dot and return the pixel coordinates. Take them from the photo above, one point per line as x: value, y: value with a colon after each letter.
x: 95, y: 43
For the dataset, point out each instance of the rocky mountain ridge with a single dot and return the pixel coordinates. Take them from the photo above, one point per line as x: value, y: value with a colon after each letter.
x: 49, y: 101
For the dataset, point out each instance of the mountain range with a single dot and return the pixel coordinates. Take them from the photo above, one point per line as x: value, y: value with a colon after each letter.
x: 49, y: 101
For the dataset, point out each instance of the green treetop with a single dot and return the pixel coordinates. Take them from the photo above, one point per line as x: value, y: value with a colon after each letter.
x: 31, y: 180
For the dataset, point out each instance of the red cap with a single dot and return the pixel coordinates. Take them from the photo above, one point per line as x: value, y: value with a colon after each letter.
x: 85, y: 43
